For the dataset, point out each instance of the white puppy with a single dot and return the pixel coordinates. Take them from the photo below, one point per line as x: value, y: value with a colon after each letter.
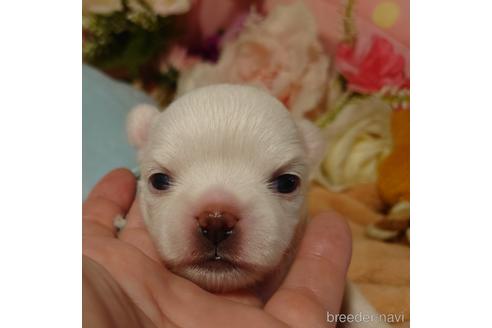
x: 224, y: 172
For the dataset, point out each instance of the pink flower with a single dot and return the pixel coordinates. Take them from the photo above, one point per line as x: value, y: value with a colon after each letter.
x: 207, y: 18
x: 178, y: 58
x: 370, y: 66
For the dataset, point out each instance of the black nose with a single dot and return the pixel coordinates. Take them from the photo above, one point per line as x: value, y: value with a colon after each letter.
x: 216, y: 233
x: 216, y: 226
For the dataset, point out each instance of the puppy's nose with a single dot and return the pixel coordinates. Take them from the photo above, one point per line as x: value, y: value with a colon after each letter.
x: 216, y: 225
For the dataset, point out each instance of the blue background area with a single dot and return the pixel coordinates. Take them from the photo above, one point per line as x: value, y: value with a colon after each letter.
x: 105, y: 105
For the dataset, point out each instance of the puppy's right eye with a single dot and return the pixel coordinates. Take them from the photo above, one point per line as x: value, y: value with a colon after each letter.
x: 160, y: 181
x: 286, y: 183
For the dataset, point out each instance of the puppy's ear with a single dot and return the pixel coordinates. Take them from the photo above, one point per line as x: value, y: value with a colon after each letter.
x: 314, y: 142
x: 138, y: 124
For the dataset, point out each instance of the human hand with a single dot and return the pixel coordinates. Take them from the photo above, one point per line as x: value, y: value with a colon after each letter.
x: 125, y: 280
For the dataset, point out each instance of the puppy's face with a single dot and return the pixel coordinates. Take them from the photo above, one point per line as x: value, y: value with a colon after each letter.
x: 224, y: 173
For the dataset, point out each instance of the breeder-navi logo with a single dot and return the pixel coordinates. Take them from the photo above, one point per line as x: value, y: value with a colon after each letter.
x: 364, y: 317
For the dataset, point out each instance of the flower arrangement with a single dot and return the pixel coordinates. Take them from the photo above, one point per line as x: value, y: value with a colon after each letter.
x: 354, y: 87
x: 280, y: 52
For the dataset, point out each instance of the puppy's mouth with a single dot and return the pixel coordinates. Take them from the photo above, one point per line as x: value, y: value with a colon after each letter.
x: 218, y: 273
x: 214, y: 263
x: 217, y: 264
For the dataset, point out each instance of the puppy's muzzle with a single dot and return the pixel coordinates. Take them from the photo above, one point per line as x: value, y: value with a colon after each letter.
x: 216, y: 225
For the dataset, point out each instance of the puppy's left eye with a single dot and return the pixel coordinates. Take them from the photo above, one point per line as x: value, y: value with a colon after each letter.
x: 286, y: 183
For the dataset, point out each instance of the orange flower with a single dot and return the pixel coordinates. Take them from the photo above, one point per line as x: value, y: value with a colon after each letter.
x: 394, y: 170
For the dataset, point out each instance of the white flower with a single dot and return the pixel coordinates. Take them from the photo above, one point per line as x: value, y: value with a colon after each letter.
x: 169, y: 7
x: 357, y: 140
x: 102, y: 7
x: 160, y: 7
x: 280, y: 53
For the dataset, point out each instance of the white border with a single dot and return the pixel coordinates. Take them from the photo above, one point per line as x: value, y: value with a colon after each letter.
x: 40, y: 133
x: 451, y: 163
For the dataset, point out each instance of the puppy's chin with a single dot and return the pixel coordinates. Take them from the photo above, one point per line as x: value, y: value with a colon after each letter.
x: 220, y: 275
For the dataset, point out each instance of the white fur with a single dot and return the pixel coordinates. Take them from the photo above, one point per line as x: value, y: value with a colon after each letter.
x: 138, y: 122
x: 228, y: 138
x: 119, y: 222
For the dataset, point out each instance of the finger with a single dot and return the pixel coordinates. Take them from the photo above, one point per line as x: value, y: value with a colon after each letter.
x: 246, y: 297
x: 316, y: 281
x: 136, y: 233
x: 134, y: 216
x: 132, y: 272
x: 112, y: 196
x: 119, y: 186
x: 100, y: 291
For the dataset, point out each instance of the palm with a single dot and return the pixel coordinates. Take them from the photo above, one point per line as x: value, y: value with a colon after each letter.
x: 313, y: 286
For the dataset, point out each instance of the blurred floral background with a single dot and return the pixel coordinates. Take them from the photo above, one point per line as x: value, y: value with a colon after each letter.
x: 342, y: 64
